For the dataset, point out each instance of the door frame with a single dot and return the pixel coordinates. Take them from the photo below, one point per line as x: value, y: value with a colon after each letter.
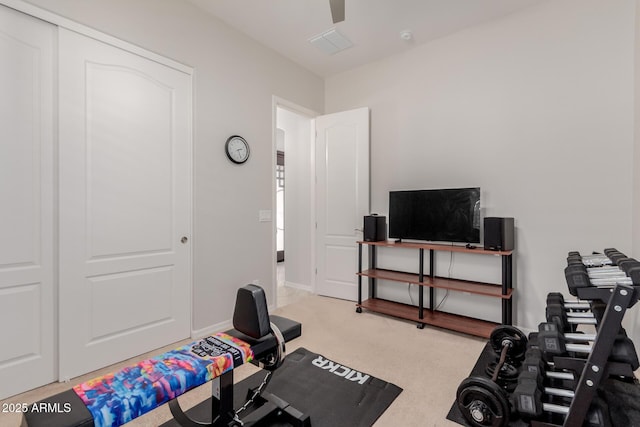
x: 276, y: 103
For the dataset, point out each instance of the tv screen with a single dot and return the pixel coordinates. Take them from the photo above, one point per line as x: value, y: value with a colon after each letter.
x: 446, y: 215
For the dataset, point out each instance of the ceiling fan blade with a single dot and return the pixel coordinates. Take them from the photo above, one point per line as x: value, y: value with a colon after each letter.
x: 337, y: 10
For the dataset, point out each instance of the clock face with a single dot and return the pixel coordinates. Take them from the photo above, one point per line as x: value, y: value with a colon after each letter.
x: 237, y: 149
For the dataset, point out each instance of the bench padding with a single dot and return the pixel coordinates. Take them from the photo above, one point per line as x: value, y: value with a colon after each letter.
x: 114, y: 399
x: 117, y: 398
x: 264, y: 346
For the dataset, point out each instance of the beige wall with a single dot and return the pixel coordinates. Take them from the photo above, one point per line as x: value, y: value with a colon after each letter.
x: 537, y: 109
x: 235, y: 80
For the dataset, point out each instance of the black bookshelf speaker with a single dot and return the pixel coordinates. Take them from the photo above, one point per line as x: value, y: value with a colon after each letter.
x: 498, y: 233
x: 375, y: 228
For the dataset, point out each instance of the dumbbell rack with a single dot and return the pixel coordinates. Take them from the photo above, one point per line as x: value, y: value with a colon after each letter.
x: 489, y: 402
x: 596, y: 367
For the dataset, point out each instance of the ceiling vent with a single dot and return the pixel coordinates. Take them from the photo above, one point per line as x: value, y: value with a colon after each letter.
x: 331, y: 41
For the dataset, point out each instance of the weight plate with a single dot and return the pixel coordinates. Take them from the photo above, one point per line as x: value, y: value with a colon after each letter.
x: 483, y: 403
x: 508, y: 372
x: 514, y: 336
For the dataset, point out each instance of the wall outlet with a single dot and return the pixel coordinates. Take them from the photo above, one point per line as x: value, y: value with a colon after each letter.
x: 256, y: 282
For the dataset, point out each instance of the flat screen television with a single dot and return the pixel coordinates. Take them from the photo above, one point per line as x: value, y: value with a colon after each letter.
x: 445, y: 215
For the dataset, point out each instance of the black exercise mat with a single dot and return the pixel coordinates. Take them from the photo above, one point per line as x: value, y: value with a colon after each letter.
x: 332, y: 394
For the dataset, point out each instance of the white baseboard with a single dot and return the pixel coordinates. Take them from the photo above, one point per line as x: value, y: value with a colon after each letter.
x: 298, y: 286
x: 212, y: 329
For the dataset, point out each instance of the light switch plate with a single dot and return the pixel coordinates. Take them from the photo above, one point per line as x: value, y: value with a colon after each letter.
x: 264, y: 216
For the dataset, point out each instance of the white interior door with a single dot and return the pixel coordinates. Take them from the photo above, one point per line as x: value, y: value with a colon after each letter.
x: 26, y: 199
x: 342, y: 199
x: 125, y: 204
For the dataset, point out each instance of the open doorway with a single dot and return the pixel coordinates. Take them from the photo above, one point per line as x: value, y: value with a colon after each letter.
x: 293, y: 200
x: 280, y: 198
x: 323, y: 218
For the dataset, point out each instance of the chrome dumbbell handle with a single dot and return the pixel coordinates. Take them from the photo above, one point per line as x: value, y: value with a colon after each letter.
x: 571, y: 305
x: 560, y: 392
x: 555, y: 409
x: 560, y: 375
x: 580, y: 337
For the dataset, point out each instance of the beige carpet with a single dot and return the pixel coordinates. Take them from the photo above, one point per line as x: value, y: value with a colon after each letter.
x: 428, y: 364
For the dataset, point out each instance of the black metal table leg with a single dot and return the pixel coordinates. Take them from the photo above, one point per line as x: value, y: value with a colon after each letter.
x: 432, y: 272
x: 507, y: 304
x: 222, y: 413
x: 359, y: 309
x: 372, y: 266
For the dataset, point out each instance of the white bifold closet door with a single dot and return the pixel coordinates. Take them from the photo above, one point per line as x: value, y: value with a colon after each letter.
x: 125, y: 204
x: 27, y: 188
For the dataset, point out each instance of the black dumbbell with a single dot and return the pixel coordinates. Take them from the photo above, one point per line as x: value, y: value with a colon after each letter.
x: 611, y: 257
x: 612, y: 273
x: 553, y: 342
x: 579, y: 276
x: 528, y: 399
x: 626, y: 271
x: 596, y: 260
x: 576, y: 277
x: 574, y: 260
x: 558, y: 298
x: 567, y: 322
x: 531, y: 398
x: 593, y: 260
x: 528, y: 396
x: 536, y: 361
x: 631, y: 267
x: 609, y: 251
x: 614, y: 255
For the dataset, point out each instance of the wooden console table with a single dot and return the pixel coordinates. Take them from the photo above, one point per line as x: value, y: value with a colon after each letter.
x: 429, y: 315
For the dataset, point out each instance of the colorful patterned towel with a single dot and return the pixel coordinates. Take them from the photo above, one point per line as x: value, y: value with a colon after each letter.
x: 119, y: 397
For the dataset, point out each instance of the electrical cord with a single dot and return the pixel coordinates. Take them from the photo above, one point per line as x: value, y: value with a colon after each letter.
x: 409, y: 291
x: 449, y: 277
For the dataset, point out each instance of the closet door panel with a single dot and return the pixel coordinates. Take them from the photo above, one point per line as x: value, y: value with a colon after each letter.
x: 125, y: 204
x: 27, y: 203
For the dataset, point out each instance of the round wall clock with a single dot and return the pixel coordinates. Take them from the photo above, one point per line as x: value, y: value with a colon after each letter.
x: 237, y: 149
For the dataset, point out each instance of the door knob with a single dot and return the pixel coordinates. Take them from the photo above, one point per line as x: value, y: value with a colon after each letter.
x: 184, y: 239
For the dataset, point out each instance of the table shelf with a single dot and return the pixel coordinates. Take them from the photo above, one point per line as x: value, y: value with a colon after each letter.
x: 429, y: 315
x: 459, y: 285
x: 454, y: 322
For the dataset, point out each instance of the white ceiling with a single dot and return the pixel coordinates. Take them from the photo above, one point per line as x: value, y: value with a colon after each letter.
x: 374, y: 26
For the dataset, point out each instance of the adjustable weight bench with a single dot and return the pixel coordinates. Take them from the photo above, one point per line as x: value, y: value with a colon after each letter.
x: 114, y: 399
